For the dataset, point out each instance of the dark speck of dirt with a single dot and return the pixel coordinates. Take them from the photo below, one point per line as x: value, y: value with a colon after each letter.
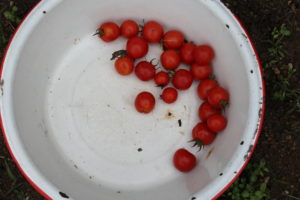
x: 210, y: 152
x: 221, y: 174
x: 62, y: 194
x: 193, y: 198
x: 90, y: 177
x: 227, y: 26
x: 235, y: 172
x: 139, y: 149
x: 179, y: 123
x: 76, y: 166
x: 242, y: 142
x: 44, y: 12
x: 244, y: 35
x: 251, y: 71
x: 169, y: 114
x: 119, y: 192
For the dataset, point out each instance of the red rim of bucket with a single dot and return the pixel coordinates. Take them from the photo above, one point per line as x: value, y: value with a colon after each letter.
x: 39, y: 190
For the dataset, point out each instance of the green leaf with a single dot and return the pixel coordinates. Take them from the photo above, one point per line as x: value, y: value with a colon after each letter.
x: 14, y: 9
x: 9, y: 173
x: 245, y: 194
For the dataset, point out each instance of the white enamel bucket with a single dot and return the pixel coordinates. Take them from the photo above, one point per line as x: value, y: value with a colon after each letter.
x: 69, y: 119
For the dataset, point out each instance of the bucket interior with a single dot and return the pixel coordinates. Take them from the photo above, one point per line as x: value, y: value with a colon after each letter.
x: 73, y: 125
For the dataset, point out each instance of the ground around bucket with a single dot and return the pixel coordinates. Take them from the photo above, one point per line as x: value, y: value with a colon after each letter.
x: 274, y: 170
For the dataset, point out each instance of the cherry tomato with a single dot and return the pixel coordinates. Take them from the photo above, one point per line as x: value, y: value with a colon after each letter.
x: 144, y: 102
x: 218, y: 97
x: 187, y: 53
x: 129, y: 29
x: 162, y: 78
x: 203, y: 54
x: 170, y: 59
x: 169, y: 95
x: 182, y: 79
x: 137, y: 47
x: 108, y: 31
x: 216, y: 123
x: 202, y: 135
x: 124, y: 65
x: 153, y: 31
x: 173, y: 39
x: 200, y: 72
x: 184, y: 160
x: 145, y: 71
x: 204, y: 87
x: 206, y: 110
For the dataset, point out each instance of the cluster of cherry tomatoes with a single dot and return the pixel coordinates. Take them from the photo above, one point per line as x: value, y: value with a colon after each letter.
x: 175, y: 50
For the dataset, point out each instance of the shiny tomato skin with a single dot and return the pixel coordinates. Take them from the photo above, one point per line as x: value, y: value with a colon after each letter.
x: 202, y: 134
x: 153, y: 32
x: 124, y: 65
x: 204, y: 87
x: 182, y: 79
x: 108, y: 31
x: 137, y: 47
x: 169, y: 95
x: 216, y: 123
x: 145, y: 71
x: 203, y: 54
x: 173, y: 39
x: 218, y: 97
x: 170, y: 59
x: 162, y: 78
x: 144, y: 102
x: 200, y: 72
x: 184, y: 160
x: 206, y: 110
x: 187, y: 53
x: 129, y: 29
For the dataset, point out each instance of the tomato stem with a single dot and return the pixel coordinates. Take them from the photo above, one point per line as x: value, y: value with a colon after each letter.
x: 151, y: 62
x: 223, y: 103
x: 197, y: 143
x: 119, y: 54
x: 99, y: 32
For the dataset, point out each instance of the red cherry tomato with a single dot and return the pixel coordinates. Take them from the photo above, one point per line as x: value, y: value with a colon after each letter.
x: 129, y: 29
x: 184, y: 160
x: 218, y: 97
x: 203, y: 54
x: 153, y: 31
x: 124, y: 65
x: 202, y: 135
x: 200, y: 72
x: 144, y: 102
x: 187, y: 53
x: 137, y: 47
x: 145, y: 71
x: 206, y: 110
x: 173, y: 39
x: 204, y: 87
x: 162, y: 78
x: 216, y: 123
x: 108, y: 31
x: 170, y: 59
x: 182, y: 79
x: 169, y: 95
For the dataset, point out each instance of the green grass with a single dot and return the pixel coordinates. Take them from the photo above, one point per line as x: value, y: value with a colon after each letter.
x: 12, y: 15
x: 282, y: 88
x: 252, y: 185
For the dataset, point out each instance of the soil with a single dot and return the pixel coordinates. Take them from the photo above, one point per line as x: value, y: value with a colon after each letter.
x: 279, y: 142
